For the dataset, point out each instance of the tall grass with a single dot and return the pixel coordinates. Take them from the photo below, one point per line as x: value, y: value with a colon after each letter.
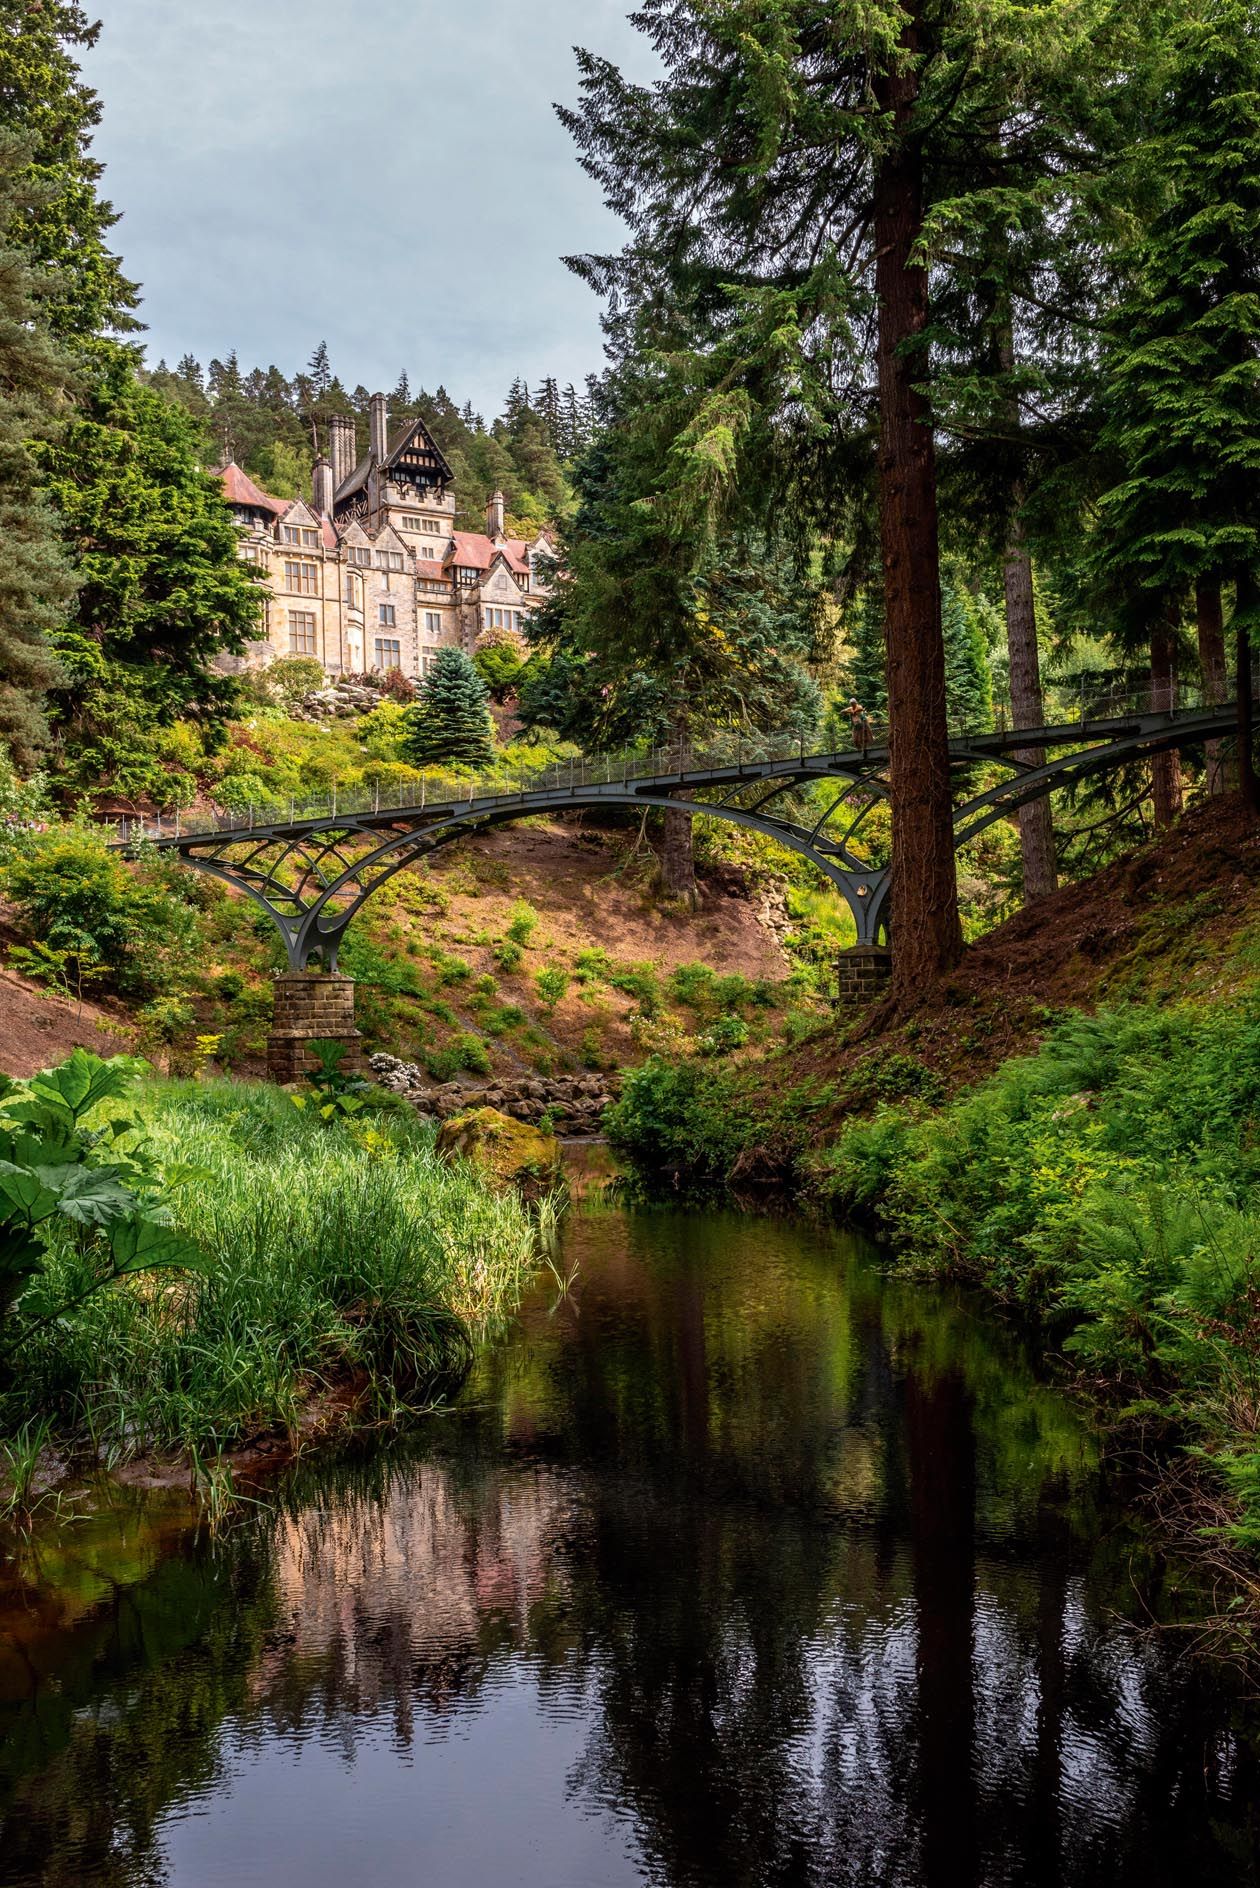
x: 333, y: 1252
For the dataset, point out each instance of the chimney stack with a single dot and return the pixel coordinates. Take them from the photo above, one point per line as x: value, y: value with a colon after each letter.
x: 322, y: 486
x: 379, y: 429
x: 494, y: 517
x: 341, y: 448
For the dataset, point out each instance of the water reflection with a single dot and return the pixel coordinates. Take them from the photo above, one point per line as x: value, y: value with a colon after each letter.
x: 733, y: 1567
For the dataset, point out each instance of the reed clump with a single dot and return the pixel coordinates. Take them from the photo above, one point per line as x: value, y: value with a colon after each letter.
x: 335, y: 1253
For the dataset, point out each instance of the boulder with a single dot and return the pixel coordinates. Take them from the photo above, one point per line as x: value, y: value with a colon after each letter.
x: 507, y: 1152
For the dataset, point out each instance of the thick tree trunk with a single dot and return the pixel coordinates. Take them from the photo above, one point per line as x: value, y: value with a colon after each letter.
x: 678, y: 862
x: 1036, y: 821
x: 1244, y: 602
x: 1165, y: 768
x: 1210, y: 620
x: 926, y: 937
x: 678, y: 859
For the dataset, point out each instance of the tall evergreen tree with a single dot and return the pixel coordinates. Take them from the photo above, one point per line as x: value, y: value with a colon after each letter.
x: 776, y: 181
x: 1180, y: 514
x: 449, y: 720
x: 36, y: 579
x: 162, y: 591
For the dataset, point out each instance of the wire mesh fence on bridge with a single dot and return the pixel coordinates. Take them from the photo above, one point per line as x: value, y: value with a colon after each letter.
x: 730, y: 749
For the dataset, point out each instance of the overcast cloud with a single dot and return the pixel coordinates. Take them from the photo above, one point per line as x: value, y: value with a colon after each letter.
x: 392, y: 180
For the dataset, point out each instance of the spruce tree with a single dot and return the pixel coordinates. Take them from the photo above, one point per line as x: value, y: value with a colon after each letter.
x: 866, y: 674
x: 449, y: 720
x: 968, y: 677
x: 36, y: 580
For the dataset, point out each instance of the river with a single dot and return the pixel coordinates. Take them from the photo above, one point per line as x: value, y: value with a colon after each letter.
x: 732, y: 1564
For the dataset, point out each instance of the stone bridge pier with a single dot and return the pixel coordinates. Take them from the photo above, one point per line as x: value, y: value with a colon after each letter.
x: 312, y: 1006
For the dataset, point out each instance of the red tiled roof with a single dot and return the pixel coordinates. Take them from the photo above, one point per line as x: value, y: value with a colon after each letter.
x: 239, y: 489
x: 474, y: 551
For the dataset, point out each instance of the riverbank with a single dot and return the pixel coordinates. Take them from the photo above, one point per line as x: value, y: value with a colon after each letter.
x: 345, y: 1271
x: 1092, y: 1170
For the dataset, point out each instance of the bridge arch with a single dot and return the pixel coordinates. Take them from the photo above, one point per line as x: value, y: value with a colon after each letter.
x: 313, y: 875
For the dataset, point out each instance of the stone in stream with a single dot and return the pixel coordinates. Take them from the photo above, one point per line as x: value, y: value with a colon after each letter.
x: 507, y: 1152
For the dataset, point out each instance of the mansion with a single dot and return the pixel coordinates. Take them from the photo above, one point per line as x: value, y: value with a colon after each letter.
x: 371, y: 573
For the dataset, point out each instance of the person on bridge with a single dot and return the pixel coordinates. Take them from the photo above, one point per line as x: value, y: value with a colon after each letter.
x: 860, y: 722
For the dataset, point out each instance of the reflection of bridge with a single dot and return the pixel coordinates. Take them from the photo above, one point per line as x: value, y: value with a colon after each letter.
x: 312, y: 872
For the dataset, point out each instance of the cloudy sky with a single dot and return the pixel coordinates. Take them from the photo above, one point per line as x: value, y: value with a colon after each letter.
x: 391, y: 179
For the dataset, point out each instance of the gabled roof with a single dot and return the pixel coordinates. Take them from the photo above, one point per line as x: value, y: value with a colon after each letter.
x: 239, y: 490
x: 473, y: 550
x: 297, y: 511
x: 395, y: 445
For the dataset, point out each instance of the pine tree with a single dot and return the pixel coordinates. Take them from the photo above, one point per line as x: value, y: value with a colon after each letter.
x: 867, y: 672
x: 44, y: 100
x: 968, y: 677
x: 1181, y: 403
x: 319, y: 371
x: 36, y: 580
x: 162, y: 591
x: 449, y: 720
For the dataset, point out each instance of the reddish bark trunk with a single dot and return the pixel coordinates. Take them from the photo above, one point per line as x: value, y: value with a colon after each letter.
x: 926, y: 936
x: 678, y: 859
x: 1165, y: 768
x: 1210, y: 620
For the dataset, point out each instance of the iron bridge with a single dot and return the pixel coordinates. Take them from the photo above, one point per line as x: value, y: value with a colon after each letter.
x: 312, y: 873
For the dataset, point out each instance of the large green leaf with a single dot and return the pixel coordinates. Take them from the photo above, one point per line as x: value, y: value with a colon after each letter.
x: 23, y: 1194
x: 21, y: 1255
x: 91, y: 1196
x: 140, y: 1245
x: 82, y: 1080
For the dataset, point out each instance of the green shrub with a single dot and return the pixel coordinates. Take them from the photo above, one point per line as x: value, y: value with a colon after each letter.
x: 507, y: 956
x: 639, y: 981
x: 466, y: 1052
x: 724, y: 1035
x: 551, y: 985
x: 593, y: 966
x: 523, y: 923
x: 133, y: 926
x: 679, y: 1119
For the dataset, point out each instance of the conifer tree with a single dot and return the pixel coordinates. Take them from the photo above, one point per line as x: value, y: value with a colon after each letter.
x: 449, y: 720
x: 867, y: 672
x: 968, y: 677
x: 36, y: 580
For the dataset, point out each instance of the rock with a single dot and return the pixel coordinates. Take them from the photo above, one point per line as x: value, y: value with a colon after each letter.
x: 507, y: 1152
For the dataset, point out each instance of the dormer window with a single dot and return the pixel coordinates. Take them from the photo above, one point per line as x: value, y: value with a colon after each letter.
x: 301, y: 534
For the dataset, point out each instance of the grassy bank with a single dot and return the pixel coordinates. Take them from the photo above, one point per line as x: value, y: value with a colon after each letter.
x: 333, y: 1252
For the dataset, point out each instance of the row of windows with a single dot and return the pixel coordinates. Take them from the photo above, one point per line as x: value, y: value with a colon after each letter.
x: 303, y: 640
x: 502, y: 619
x: 434, y: 526
x: 302, y: 534
x: 304, y: 578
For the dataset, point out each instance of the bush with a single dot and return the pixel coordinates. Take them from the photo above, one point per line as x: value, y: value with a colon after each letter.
x: 679, y: 1120
x: 727, y: 1033
x: 135, y: 926
x: 551, y: 985
x: 507, y: 956
x: 1108, y: 1186
x: 523, y: 922
x: 290, y: 679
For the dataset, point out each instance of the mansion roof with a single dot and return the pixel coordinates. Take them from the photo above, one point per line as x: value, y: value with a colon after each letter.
x: 239, y: 489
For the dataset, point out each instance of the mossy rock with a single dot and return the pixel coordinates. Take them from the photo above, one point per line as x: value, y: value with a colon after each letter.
x: 508, y: 1153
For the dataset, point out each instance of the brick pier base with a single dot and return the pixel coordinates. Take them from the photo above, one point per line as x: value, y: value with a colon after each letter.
x: 311, y: 1005
x: 862, y: 974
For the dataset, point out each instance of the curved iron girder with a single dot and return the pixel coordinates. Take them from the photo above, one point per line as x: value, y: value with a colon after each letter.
x: 308, y: 927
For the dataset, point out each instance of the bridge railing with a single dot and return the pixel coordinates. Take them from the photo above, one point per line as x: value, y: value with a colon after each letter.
x: 732, y: 749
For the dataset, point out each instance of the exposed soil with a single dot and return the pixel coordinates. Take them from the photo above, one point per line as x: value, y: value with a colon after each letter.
x: 1173, y: 919
x: 39, y: 1028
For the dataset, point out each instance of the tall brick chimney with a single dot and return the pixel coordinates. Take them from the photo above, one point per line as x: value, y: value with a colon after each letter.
x: 341, y: 448
x: 495, y: 517
x: 379, y: 428
x: 322, y: 486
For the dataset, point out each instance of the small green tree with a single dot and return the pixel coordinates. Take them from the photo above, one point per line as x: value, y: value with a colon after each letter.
x: 968, y: 678
x: 449, y: 719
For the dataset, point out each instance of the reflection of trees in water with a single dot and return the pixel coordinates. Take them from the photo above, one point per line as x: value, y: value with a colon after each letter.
x: 816, y: 1561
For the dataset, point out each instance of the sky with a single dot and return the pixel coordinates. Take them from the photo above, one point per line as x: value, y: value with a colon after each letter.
x: 388, y: 178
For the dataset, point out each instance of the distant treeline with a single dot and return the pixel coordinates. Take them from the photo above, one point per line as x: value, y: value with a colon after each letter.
x: 271, y: 421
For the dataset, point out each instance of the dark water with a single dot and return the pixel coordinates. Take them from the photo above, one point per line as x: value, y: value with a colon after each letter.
x: 734, y: 1566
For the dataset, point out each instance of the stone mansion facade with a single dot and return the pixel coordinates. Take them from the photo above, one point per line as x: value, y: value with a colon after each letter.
x: 371, y: 574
